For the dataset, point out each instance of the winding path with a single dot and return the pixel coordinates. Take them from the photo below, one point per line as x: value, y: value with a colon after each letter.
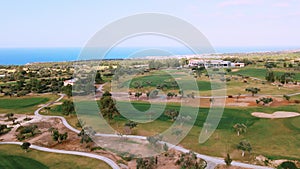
x: 77, y: 153
x: 212, y: 161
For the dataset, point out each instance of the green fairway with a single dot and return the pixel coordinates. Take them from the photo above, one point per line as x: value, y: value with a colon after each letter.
x: 24, y: 105
x: 261, y: 72
x: 18, y: 103
x: 160, y: 78
x: 19, y: 162
x: 279, y: 134
x: 13, y: 157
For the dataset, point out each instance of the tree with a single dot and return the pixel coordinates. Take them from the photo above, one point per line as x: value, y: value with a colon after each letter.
x: 98, y: 78
x: 166, y: 147
x: 85, y: 137
x: 67, y: 90
x: 4, y: 129
x: 190, y: 160
x: 108, y: 106
x: 198, y: 72
x: 270, y: 65
x: 172, y: 114
x: 138, y: 94
x: 181, y: 92
x: 25, y: 146
x: 170, y: 95
x: 192, y: 95
x: 244, y: 146
x: 9, y: 115
x: 270, y: 77
x: 137, y: 85
x: 146, y: 163
x: 252, y: 90
x: 68, y: 107
x: 106, y: 93
x: 264, y: 100
x: 228, y: 160
x: 286, y: 77
x: 131, y: 124
x: 287, y: 165
x: 152, y: 140
x: 240, y: 128
x: 287, y: 97
x: 59, y: 137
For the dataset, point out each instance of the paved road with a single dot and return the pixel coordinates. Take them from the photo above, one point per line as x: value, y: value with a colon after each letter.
x: 108, y: 161
x: 212, y: 161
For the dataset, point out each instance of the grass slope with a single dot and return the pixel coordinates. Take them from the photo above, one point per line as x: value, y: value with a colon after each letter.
x: 24, y: 105
x: 18, y: 103
x: 47, y: 160
x: 19, y: 162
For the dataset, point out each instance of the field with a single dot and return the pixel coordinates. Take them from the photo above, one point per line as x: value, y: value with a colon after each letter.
x: 279, y: 134
x: 43, y: 160
x: 261, y: 72
x: 57, y: 111
x: 24, y: 105
x: 11, y: 161
x: 233, y: 87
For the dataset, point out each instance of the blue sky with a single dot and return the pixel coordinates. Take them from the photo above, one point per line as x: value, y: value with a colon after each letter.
x: 70, y: 23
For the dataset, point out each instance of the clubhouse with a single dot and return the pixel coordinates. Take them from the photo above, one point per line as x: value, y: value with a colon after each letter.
x: 214, y: 63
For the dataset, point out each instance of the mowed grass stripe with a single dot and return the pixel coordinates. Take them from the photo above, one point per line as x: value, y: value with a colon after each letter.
x: 17, y: 103
x: 19, y: 162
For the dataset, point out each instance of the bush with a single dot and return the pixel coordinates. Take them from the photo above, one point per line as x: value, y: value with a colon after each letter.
x: 287, y: 165
x: 297, y: 101
x: 228, y: 160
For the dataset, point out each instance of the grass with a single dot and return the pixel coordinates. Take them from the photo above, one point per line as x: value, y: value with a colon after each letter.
x: 37, y: 159
x: 279, y: 134
x: 12, y: 161
x: 252, y: 72
x: 24, y: 105
x: 204, y: 84
x: 57, y: 111
x: 160, y: 77
x: 19, y: 103
x: 261, y: 72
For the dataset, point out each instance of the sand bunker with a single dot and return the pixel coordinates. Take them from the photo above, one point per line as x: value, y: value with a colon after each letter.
x: 275, y: 115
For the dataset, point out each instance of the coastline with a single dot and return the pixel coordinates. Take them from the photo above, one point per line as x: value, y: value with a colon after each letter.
x: 25, y: 56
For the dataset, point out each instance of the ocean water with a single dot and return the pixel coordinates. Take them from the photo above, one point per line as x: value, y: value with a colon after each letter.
x: 21, y: 56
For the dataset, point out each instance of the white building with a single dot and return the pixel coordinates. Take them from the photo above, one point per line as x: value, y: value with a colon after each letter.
x: 69, y: 82
x: 214, y: 63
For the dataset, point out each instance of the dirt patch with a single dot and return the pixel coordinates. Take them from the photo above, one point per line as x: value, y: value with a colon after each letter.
x: 275, y: 115
x: 228, y: 167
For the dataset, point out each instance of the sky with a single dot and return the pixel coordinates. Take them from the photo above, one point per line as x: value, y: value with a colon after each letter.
x: 71, y: 23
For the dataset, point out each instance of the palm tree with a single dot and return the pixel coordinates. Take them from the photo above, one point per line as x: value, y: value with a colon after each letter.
x: 244, y: 146
x: 240, y: 128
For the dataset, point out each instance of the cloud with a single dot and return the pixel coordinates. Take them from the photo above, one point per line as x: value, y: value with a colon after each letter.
x: 237, y: 3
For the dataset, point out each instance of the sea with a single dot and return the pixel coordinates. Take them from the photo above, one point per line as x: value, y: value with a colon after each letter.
x: 21, y: 56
